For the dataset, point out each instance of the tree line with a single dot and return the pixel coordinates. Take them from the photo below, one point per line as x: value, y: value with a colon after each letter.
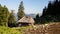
x: 51, y: 13
x: 7, y: 18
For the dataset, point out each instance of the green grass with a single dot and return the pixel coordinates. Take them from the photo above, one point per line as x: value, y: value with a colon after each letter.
x: 14, y: 30
x: 7, y: 30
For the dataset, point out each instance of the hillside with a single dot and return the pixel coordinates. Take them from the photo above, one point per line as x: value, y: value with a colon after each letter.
x: 51, y: 28
x: 51, y: 13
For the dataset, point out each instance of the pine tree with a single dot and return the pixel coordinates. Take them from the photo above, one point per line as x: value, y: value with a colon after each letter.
x: 4, y: 13
x: 21, y: 11
x: 0, y: 14
x: 52, y: 12
x: 11, y: 18
x: 44, y: 10
x: 37, y: 19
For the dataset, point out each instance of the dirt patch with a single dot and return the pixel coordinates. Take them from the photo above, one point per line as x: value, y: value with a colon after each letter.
x: 52, y: 28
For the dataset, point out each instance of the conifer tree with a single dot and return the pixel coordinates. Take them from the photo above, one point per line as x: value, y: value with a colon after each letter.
x: 4, y: 14
x: 11, y: 18
x: 21, y: 11
x: 52, y: 12
x: 37, y: 19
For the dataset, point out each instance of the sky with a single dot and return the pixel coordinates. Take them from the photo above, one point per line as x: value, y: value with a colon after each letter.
x: 30, y: 6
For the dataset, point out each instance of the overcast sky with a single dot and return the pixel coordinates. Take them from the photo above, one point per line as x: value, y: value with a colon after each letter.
x: 31, y: 6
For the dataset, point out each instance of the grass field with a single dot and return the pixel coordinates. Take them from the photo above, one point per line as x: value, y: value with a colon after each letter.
x: 7, y: 30
x: 14, y: 30
x: 36, y: 29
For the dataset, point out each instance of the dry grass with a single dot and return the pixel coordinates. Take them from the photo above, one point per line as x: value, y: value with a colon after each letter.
x: 51, y: 28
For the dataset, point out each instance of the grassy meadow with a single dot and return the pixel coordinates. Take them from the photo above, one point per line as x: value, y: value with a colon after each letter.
x: 14, y: 30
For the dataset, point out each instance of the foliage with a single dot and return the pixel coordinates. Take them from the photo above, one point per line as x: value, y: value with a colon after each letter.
x: 21, y: 11
x: 52, y: 12
x: 37, y: 19
x: 11, y: 18
x: 4, y: 14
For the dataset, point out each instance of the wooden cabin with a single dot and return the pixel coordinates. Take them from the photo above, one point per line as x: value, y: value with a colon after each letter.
x: 26, y: 21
